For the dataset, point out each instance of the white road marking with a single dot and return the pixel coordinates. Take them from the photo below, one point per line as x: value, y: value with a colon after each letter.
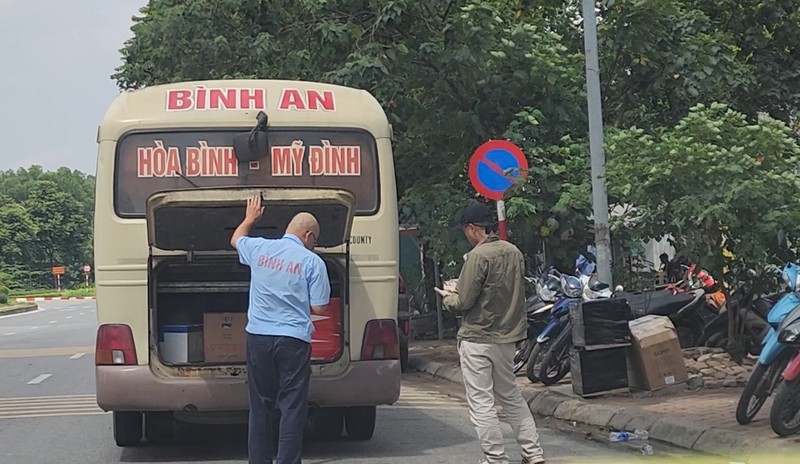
x: 423, y: 399
x: 77, y: 356
x: 69, y: 317
x: 81, y: 314
x: 54, y: 322
x: 49, y: 406
x: 34, y: 327
x: 39, y: 379
x: 23, y: 314
x: 10, y: 333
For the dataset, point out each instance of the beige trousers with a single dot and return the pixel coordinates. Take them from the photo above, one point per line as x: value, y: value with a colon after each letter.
x: 488, y: 373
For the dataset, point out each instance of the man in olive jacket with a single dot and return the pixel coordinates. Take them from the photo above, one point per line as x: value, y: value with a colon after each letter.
x: 491, y: 295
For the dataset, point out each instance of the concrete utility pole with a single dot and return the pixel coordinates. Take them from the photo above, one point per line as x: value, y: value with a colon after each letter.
x: 602, y: 236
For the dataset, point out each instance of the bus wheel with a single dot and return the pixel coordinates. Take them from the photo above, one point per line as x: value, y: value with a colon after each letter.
x: 159, y: 427
x: 127, y: 428
x: 329, y: 423
x: 403, y: 352
x: 360, y: 422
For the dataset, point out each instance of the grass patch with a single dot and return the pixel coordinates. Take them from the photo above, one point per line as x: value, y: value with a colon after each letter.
x: 51, y: 293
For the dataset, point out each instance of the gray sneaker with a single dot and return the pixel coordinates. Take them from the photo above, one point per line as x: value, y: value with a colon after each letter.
x: 536, y: 460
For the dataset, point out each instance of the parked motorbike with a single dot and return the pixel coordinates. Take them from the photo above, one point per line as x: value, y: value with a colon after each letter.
x: 692, y: 304
x: 555, y: 362
x: 752, y: 309
x: 537, y: 308
x: 784, y: 417
x: 774, y: 356
x: 551, y: 287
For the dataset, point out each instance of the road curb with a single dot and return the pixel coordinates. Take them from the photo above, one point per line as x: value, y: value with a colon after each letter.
x: 18, y: 309
x: 661, y: 427
x: 53, y: 298
x: 436, y: 369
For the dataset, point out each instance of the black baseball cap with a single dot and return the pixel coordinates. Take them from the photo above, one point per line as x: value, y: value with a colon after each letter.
x: 475, y: 213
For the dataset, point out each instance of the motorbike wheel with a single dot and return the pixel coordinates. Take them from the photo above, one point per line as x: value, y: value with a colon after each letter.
x: 755, y: 393
x: 686, y: 337
x: 784, y: 417
x: 555, y: 364
x: 521, y: 355
x: 718, y: 340
x: 535, y: 358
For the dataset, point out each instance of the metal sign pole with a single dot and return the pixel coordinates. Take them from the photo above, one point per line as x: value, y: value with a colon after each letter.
x: 437, y: 278
x: 598, y: 160
x: 502, y: 225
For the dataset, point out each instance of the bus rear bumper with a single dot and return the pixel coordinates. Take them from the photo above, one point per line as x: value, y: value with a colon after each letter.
x: 137, y: 388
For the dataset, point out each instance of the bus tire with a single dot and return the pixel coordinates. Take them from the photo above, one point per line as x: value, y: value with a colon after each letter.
x: 360, y: 422
x: 329, y: 423
x: 127, y: 428
x: 403, y: 352
x: 159, y: 427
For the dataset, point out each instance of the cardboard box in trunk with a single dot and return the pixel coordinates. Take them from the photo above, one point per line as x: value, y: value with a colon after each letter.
x: 224, y: 337
x: 656, y: 357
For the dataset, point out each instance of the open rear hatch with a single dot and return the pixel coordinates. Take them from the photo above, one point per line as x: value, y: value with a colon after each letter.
x: 203, y: 220
x: 197, y: 285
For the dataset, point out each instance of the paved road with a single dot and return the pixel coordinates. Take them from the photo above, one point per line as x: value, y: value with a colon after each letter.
x: 48, y: 414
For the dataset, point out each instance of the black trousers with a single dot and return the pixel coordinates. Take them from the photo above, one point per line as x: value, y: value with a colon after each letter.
x: 278, y: 375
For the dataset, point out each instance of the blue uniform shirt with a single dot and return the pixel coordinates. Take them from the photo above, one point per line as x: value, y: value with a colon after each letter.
x: 286, y: 279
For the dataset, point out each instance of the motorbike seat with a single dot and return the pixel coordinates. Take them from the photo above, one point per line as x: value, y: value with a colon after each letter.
x: 763, y: 304
x: 598, y: 287
x: 660, y: 302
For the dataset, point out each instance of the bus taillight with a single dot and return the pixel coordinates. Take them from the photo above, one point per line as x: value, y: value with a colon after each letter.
x: 380, y: 340
x: 115, y: 345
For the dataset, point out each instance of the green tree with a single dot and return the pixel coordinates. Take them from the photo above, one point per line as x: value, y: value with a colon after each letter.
x: 62, y: 225
x: 29, y: 257
x: 714, y: 180
x: 452, y: 74
x: 17, y: 232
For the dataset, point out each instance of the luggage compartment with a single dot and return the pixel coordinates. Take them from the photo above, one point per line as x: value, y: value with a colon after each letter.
x: 212, y: 295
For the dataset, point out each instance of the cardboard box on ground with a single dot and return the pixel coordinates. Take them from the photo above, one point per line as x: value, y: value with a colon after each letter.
x: 655, y: 359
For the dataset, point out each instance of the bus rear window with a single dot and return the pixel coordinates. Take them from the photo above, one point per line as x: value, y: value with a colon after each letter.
x: 149, y: 162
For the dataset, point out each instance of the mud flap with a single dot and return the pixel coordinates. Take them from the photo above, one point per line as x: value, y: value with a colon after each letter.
x: 792, y: 370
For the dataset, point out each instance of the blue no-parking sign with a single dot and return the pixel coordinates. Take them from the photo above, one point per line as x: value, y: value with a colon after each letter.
x: 495, y: 167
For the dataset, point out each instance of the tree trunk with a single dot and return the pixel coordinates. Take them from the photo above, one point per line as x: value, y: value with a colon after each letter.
x: 429, y: 278
x: 735, y: 346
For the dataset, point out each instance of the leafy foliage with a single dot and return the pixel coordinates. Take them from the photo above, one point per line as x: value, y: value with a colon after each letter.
x: 713, y: 180
x: 45, y: 220
x: 452, y: 74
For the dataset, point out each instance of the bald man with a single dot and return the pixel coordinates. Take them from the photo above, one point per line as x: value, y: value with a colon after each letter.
x: 287, y: 282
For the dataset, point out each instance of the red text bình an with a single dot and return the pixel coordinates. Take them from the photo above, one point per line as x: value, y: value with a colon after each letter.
x: 280, y: 264
x: 202, y: 98
x: 310, y: 100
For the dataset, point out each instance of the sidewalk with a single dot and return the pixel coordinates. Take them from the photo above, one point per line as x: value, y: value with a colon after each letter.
x: 702, y: 420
